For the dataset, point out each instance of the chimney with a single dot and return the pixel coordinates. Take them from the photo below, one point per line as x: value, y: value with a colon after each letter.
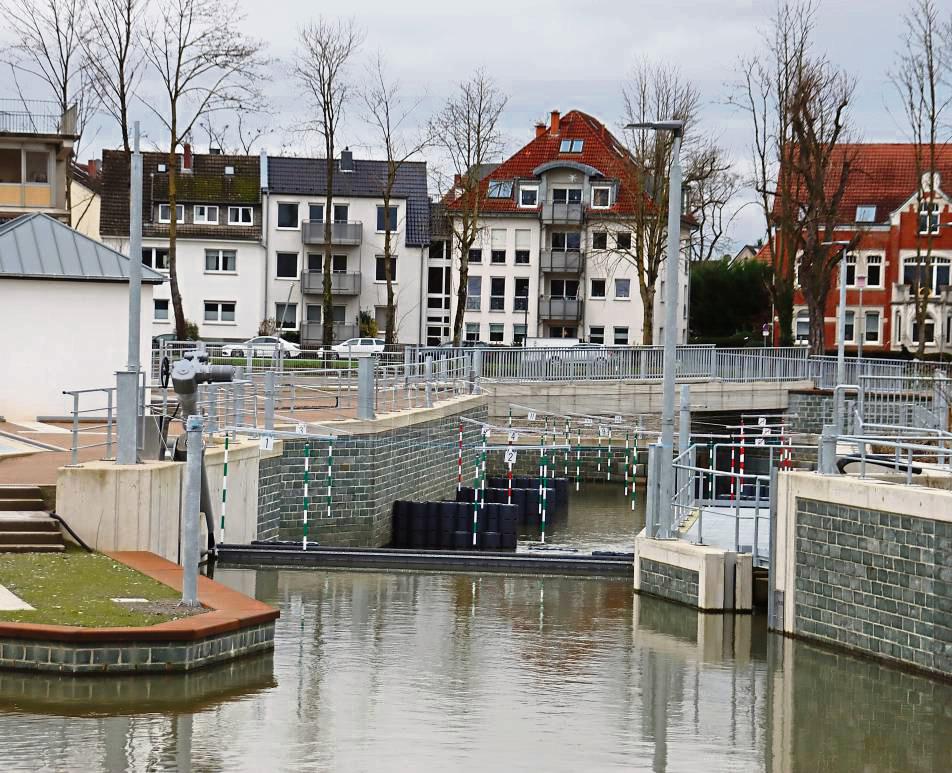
x: 213, y: 151
x: 263, y: 166
x: 540, y: 129
x: 92, y: 168
x: 554, y: 122
x: 346, y: 160
x: 186, y: 157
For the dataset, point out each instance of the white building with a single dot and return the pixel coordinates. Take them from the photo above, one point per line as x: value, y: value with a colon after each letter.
x: 64, y: 300
x: 553, y: 256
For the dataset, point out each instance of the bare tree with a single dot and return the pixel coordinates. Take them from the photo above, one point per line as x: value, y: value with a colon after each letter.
x: 47, y: 44
x: 467, y: 128
x: 205, y: 64
x: 238, y: 136
x: 387, y: 113
x: 325, y: 49
x: 922, y: 77
x: 710, y: 203
x: 114, y: 56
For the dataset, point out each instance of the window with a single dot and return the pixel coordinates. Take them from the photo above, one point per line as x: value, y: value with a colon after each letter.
x: 598, y: 288
x: 341, y: 212
x: 11, y: 170
x: 866, y: 213
x: 472, y: 331
x: 156, y: 257
x: 229, y: 171
x: 571, y: 146
x: 601, y: 197
x: 315, y: 262
x: 519, y: 335
x: 474, y: 289
x: 287, y: 265
x: 339, y: 264
x: 287, y: 214
x: 620, y: 336
x: 622, y: 288
x: 240, y: 216
x: 500, y: 189
x: 315, y: 213
x: 802, y: 331
x: 160, y: 310
x: 313, y: 312
x: 161, y: 168
x: 933, y: 277
x: 529, y: 196
x: 874, y: 270
x: 567, y: 195
x: 381, y: 219
x: 561, y: 331
x: 475, y: 255
x: 221, y: 260
x: 623, y: 240
x: 219, y: 311
x: 285, y: 315
x: 849, y: 334
x: 497, y: 253
x: 338, y: 314
x: 37, y: 167
x: 521, y: 298
x: 497, y: 293
x: 205, y: 214
x: 165, y: 213
x: 599, y: 240
x: 871, y: 327
x: 929, y: 331
x: 596, y: 334
x: 522, y: 247
x: 928, y: 217
x: 381, y: 275
x: 496, y: 332
x: 564, y: 288
x: 851, y: 270
x: 566, y: 240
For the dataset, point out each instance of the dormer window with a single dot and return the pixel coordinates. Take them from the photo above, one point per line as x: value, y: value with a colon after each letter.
x: 928, y: 217
x: 165, y: 213
x: 205, y: 214
x: 571, y: 146
x: 866, y: 213
x: 529, y: 196
x: 161, y: 168
x: 229, y: 171
x: 601, y: 197
x: 500, y: 189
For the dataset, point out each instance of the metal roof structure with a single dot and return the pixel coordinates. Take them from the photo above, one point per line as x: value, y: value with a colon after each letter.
x: 36, y: 246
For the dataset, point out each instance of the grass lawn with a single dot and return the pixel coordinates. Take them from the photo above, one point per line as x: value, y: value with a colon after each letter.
x: 77, y: 588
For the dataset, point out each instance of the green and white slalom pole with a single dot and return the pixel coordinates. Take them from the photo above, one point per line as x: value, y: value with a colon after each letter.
x: 634, y: 473
x: 627, y: 463
x: 307, y: 482
x: 224, y: 493
x: 565, y: 456
x: 578, y: 457
x: 609, y: 454
x: 543, y: 502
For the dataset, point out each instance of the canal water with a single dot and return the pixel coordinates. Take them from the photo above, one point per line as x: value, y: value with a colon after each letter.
x: 403, y: 671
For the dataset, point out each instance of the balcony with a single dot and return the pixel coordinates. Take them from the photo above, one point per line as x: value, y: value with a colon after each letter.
x: 312, y: 282
x: 36, y: 117
x: 565, y: 261
x: 560, y: 308
x: 562, y: 212
x: 312, y: 333
x: 342, y: 234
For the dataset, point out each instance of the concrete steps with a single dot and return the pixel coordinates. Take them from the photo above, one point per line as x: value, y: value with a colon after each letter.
x: 25, y: 526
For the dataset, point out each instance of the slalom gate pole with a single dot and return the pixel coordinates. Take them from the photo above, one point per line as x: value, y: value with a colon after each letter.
x: 224, y: 493
x: 330, y: 475
x: 578, y: 458
x: 545, y: 492
x: 609, y: 454
x: 459, y: 460
x: 307, y: 482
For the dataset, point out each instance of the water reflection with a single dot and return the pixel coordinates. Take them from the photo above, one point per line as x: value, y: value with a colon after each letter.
x: 440, y: 672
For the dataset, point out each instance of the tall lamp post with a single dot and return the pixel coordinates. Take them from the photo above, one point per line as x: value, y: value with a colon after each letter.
x: 666, y: 487
x: 841, y: 334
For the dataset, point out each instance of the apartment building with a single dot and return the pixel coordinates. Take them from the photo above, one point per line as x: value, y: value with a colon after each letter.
x: 294, y: 204
x: 554, y: 256
x: 36, y: 145
x: 894, y: 226
x: 220, y: 250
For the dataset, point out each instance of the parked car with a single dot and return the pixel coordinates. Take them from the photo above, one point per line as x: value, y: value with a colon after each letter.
x: 597, y: 355
x: 359, y: 347
x: 261, y: 346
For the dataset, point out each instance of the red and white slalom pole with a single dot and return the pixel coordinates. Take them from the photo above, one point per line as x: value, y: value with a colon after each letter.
x: 459, y: 460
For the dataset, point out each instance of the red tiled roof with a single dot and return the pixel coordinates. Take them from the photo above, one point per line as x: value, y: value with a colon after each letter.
x: 884, y: 175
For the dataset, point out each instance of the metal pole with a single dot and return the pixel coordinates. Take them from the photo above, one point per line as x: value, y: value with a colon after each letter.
x: 669, y: 376
x: 269, y: 400
x: 861, y: 328
x: 684, y: 426
x: 427, y: 379
x: 190, y: 513
x: 135, y: 252
x: 841, y: 345
x: 365, y: 388
x: 127, y: 387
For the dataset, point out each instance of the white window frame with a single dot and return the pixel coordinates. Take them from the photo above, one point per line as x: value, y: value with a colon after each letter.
x: 277, y: 216
x: 882, y: 266
x: 219, y: 253
x: 234, y: 211
x: 204, y: 219
x: 167, y: 319
x: 931, y: 208
x: 396, y: 228
x: 606, y: 188
x: 852, y: 260
x: 534, y: 188
x: 591, y: 332
x: 179, y: 219
x: 501, y: 329
x: 615, y: 329
x: 847, y: 339
x: 394, y: 265
x: 929, y: 318
x: 219, y: 320
x: 278, y: 317
x: 615, y: 294
x: 297, y: 274
x: 591, y: 289
x: 572, y: 143
x: 153, y: 249
x: 801, y: 314
x: 879, y: 326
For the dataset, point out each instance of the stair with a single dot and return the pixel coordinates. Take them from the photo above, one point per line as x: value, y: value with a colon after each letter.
x: 25, y: 526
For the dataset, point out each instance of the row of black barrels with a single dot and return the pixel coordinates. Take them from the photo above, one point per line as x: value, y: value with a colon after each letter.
x: 449, y: 526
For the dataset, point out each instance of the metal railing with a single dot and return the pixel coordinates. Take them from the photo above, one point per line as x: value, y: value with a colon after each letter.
x: 349, y: 233
x: 35, y: 117
x: 103, y: 414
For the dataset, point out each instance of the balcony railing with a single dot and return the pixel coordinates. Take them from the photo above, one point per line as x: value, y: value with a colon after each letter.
x: 312, y: 333
x: 35, y: 117
x: 312, y: 282
x: 560, y: 308
x: 562, y: 212
x: 347, y: 234
x: 562, y: 260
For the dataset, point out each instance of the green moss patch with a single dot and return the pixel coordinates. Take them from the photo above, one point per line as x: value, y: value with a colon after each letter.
x: 77, y: 588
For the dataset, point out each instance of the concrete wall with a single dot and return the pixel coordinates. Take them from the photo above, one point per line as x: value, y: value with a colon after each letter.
x: 412, y: 455
x: 62, y: 335
x: 866, y: 566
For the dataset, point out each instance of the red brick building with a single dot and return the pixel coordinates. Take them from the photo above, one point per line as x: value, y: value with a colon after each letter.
x: 882, y: 206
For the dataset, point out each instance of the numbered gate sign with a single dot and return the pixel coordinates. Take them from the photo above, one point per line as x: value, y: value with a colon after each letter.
x: 301, y: 429
x: 510, y: 456
x: 759, y: 441
x: 485, y: 431
x: 266, y: 443
x: 513, y: 437
x: 531, y: 416
x: 603, y: 430
x: 762, y: 421
x: 617, y: 420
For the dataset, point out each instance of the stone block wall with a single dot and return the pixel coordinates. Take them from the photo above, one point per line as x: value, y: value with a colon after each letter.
x: 370, y: 470
x: 269, y: 498
x: 671, y: 582
x: 874, y: 581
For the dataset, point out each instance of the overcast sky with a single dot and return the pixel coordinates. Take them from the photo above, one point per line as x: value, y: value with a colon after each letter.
x: 560, y: 55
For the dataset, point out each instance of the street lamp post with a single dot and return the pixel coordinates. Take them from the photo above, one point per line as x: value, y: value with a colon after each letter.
x: 861, y: 328
x: 666, y: 483
x: 841, y: 334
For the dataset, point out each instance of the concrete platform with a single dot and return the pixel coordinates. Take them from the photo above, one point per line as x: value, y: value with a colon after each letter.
x: 716, y: 527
